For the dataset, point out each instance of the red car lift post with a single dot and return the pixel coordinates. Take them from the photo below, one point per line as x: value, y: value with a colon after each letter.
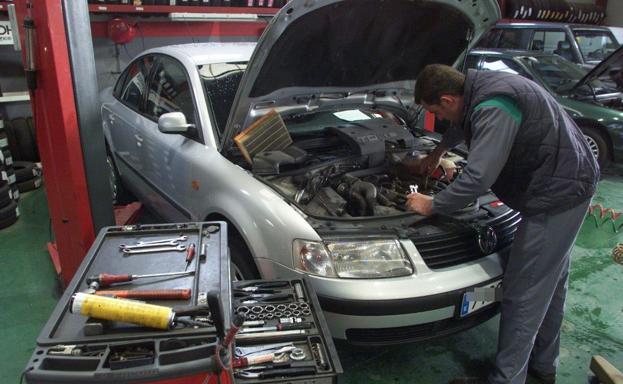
x: 55, y: 111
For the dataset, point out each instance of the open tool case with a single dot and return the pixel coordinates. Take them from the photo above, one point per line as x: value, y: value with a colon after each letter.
x: 293, y: 306
x: 74, y: 349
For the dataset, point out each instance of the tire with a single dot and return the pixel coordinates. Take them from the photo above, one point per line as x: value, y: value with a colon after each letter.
x: 29, y: 185
x: 12, y: 147
x: 6, y: 159
x: 120, y: 196
x: 597, y: 144
x: 243, y: 267
x: 8, y: 215
x: 33, y: 135
x: 8, y: 174
x: 15, y: 192
x: 25, y: 171
x: 24, y: 139
x: 6, y: 196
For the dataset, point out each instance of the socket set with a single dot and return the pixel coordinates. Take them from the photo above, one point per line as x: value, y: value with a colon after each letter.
x: 284, y: 337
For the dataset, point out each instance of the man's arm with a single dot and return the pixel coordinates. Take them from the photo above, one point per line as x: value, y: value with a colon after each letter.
x: 494, y: 130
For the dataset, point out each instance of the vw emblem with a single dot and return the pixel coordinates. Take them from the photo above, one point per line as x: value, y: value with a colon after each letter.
x: 487, y: 240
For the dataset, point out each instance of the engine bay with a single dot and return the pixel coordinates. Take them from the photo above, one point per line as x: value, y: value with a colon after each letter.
x: 351, y: 170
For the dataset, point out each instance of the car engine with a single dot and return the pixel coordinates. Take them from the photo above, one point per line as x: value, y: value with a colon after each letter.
x: 353, y: 170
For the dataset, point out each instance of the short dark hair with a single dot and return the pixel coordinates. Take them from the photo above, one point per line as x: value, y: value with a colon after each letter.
x: 436, y: 80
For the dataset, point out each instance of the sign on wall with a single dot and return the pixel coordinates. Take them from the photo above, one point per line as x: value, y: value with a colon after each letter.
x: 6, y: 35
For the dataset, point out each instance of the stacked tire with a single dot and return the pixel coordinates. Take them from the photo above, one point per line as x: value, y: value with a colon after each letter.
x: 27, y: 175
x: 556, y: 11
x: 9, y: 191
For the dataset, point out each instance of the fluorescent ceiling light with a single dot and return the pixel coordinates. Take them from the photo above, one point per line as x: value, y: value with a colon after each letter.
x: 237, y: 17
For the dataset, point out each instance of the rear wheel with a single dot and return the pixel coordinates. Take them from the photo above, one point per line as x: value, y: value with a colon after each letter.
x: 597, y: 144
x: 118, y: 194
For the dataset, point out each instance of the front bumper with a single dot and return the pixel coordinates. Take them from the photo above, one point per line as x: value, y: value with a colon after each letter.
x: 371, y: 323
x: 400, y: 310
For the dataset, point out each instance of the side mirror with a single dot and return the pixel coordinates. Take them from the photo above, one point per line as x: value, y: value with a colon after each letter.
x: 173, y: 122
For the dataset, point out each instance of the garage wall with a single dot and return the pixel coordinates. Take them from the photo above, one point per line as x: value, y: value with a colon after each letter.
x: 615, y: 13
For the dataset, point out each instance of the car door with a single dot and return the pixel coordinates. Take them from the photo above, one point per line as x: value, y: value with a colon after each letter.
x: 173, y: 162
x: 125, y: 120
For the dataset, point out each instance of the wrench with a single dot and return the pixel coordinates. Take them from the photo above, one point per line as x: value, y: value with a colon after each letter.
x: 154, y: 243
x: 245, y: 351
x: 179, y: 248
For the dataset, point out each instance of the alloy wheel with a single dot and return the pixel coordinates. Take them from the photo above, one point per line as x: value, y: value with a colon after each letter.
x: 593, y: 146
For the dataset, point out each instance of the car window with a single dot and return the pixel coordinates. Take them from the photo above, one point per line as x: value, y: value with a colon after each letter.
x: 170, y: 91
x: 595, y: 45
x: 514, y: 38
x: 489, y: 39
x: 131, y: 84
x: 503, y: 65
x: 549, y: 41
x: 220, y: 82
x: 559, y: 74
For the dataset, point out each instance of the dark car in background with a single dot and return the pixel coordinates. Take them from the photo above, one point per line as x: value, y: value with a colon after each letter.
x: 585, y: 45
x: 593, y: 98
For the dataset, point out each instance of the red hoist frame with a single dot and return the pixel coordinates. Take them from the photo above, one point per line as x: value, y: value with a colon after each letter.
x: 54, y: 113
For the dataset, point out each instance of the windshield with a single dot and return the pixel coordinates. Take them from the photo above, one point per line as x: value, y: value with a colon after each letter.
x: 557, y: 73
x: 595, y: 45
x: 316, y: 122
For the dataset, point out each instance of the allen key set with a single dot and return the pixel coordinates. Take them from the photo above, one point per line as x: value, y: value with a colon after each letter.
x: 284, y: 337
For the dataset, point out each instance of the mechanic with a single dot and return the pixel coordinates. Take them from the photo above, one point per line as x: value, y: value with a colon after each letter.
x: 532, y: 155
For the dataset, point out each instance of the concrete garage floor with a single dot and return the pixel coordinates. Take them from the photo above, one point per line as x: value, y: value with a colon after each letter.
x: 593, y: 322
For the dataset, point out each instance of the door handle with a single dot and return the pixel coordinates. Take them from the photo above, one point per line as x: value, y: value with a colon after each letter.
x: 138, y: 138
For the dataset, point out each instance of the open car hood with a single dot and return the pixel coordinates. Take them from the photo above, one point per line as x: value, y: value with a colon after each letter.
x: 317, y: 53
x: 612, y: 65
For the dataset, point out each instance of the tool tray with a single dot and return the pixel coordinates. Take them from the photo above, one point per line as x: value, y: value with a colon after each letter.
x: 316, y: 342
x: 126, y: 353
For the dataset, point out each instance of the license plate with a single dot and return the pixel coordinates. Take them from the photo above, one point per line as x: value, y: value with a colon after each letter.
x: 469, y: 306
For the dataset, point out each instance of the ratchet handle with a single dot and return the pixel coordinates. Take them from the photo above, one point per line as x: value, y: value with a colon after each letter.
x: 155, y: 294
x: 105, y: 279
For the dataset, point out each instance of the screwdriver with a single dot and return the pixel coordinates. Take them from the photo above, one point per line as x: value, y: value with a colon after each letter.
x: 190, y: 255
x: 149, y: 294
x: 105, y: 280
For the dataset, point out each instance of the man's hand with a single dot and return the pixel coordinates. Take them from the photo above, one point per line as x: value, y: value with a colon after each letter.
x: 419, y: 203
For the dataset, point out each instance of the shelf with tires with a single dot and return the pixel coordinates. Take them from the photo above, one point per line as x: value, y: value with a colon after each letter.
x: 17, y: 174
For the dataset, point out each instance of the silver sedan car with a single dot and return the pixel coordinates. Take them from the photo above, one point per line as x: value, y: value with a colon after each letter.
x: 298, y: 143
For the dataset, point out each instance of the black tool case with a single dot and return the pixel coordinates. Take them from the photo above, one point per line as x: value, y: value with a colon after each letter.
x: 125, y: 353
x: 280, y: 303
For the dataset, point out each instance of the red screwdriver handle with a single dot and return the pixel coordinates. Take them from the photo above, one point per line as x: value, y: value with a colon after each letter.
x: 190, y: 253
x: 106, y: 279
x: 155, y: 294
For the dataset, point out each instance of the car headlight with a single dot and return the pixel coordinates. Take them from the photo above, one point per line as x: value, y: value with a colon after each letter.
x: 312, y: 257
x: 353, y: 259
x: 369, y: 259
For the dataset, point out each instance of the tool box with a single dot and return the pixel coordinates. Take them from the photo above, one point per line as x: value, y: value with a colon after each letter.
x: 73, y: 348
x: 282, y: 319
